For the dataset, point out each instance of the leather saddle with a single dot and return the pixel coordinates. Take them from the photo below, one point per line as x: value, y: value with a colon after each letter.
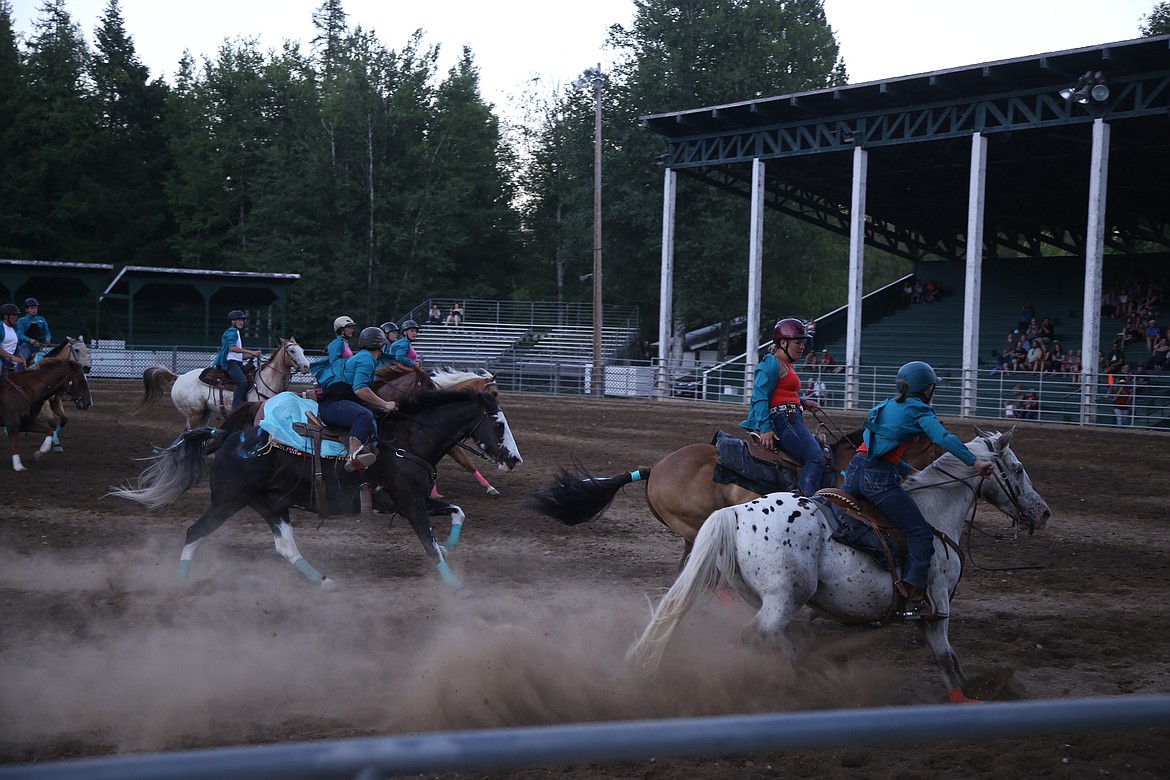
x: 216, y: 377
x: 315, y: 432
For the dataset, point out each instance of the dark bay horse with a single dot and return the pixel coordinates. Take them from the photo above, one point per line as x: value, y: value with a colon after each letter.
x: 250, y: 469
x: 75, y: 350
x: 680, y: 489
x: 23, y: 394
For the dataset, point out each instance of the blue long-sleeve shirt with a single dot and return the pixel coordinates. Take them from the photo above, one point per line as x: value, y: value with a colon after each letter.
x: 891, y: 423
x: 23, y: 324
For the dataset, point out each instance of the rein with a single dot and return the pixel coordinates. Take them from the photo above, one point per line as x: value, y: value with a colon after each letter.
x: 260, y: 376
x: 451, y: 439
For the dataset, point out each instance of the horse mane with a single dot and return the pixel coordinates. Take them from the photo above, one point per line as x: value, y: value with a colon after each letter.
x: 449, y: 377
x: 432, y: 399
x: 55, y: 351
x: 49, y: 361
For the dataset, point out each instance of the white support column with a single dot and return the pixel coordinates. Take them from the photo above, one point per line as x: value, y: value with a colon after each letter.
x: 973, y: 296
x: 856, y: 277
x: 755, y: 275
x: 666, y: 284
x: 1094, y: 263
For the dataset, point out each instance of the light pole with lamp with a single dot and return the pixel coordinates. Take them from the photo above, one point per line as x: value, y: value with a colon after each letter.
x: 593, y: 76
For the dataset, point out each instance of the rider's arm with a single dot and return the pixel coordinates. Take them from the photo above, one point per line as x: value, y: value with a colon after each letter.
x: 763, y: 381
x: 399, y: 351
x: 363, y: 376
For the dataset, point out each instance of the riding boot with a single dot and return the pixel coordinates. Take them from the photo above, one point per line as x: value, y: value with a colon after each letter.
x: 360, y: 457
x: 916, y: 602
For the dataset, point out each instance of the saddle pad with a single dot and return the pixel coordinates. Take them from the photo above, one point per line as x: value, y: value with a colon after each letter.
x: 735, y: 466
x: 284, y: 409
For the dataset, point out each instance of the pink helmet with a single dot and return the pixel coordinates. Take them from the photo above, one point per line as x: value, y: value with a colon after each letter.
x: 788, y: 328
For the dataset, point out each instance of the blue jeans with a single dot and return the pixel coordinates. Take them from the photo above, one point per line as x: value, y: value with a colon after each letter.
x: 348, y: 414
x: 877, y: 480
x: 235, y: 369
x: 798, y: 442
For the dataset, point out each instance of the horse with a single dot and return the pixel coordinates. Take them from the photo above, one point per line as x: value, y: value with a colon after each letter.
x: 22, y: 395
x: 480, y: 382
x: 70, y: 349
x: 680, y: 488
x: 196, y: 400
x: 251, y: 469
x: 776, y: 552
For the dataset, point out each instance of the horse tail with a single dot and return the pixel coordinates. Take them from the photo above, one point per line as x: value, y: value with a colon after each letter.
x: 712, y: 565
x: 156, y: 381
x: 578, y: 497
x: 175, y: 470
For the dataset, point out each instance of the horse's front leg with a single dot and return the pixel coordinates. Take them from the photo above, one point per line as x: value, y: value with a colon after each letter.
x: 282, y: 534
x: 13, y: 430
x: 436, y: 508
x: 417, y: 512
x: 935, y: 633
x: 458, y: 455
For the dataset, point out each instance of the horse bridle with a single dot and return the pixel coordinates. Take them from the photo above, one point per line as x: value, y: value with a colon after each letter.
x: 260, y: 375
x: 402, y: 453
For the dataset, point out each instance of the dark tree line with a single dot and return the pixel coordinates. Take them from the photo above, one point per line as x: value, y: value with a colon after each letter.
x: 384, y: 182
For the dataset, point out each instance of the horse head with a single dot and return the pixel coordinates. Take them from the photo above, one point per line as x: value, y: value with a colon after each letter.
x: 79, y: 353
x: 295, y: 354
x: 77, y: 388
x: 494, y: 436
x: 1011, y: 490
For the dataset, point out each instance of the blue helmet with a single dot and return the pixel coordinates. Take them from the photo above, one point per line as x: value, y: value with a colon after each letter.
x: 236, y: 314
x: 916, y: 376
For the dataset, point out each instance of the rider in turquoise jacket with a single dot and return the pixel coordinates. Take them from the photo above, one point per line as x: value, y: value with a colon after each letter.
x: 875, y: 472
x: 348, y: 399
x: 400, y: 349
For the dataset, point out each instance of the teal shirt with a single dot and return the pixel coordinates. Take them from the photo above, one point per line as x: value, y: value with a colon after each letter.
x: 399, y: 350
x: 22, y: 328
x: 890, y: 423
x: 357, y: 371
x: 764, y: 380
x: 227, y: 341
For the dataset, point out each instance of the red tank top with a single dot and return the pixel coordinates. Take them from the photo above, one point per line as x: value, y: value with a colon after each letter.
x: 787, y: 389
x: 893, y: 456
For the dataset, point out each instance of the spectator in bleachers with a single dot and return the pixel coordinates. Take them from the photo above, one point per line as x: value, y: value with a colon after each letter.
x: 1020, y: 356
x: 1032, y: 362
x: 1032, y: 331
x: 1055, y: 358
x: 456, y: 315
x: 1072, y: 362
x: 1027, y: 314
x: 1009, y: 344
x: 1116, y: 358
x: 1047, y: 330
x: 933, y: 291
x: 908, y: 292
x: 1152, y: 334
x: 918, y: 291
x: 1159, y: 354
x: 1004, y: 361
x: 828, y: 364
x: 435, y: 316
x: 810, y: 360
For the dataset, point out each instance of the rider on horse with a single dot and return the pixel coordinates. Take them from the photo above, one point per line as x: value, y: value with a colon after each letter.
x: 231, y: 356
x: 401, y: 350
x: 347, y: 392
x: 876, y: 471
x: 10, y: 359
x: 777, y: 410
x: 324, y: 370
x: 33, y: 331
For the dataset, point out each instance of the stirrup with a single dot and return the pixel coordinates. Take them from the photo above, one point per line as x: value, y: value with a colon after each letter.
x: 916, y: 603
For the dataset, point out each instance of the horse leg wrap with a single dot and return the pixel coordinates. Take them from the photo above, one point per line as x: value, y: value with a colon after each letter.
x: 482, y: 482
x: 184, y: 570
x: 435, y: 491
x: 306, y: 568
x: 367, y: 498
x: 448, y: 576
x: 453, y: 537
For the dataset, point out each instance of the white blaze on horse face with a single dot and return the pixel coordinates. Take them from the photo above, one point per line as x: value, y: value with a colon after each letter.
x: 508, y: 441
x: 297, y: 355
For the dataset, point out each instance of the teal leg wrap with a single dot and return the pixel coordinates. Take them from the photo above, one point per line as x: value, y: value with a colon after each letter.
x: 453, y: 537
x: 635, y: 476
x: 184, y: 568
x: 306, y: 568
x: 56, y: 438
x: 448, y: 576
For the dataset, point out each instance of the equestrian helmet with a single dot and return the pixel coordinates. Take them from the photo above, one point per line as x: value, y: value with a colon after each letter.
x: 9, y: 308
x: 408, y: 325
x: 371, y: 338
x: 31, y: 302
x: 788, y: 328
x: 916, y: 376
x: 389, y: 327
x: 236, y: 314
x: 342, y: 322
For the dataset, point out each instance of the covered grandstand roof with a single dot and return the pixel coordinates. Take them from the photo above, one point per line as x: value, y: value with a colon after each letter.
x: 918, y: 130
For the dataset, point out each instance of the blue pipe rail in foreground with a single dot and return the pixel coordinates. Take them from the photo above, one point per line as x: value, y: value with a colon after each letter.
x: 494, y: 749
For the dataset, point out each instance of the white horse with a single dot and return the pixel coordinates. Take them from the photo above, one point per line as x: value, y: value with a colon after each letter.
x: 196, y: 400
x: 776, y: 553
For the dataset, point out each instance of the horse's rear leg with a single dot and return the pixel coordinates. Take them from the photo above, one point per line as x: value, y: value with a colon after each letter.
x: 769, y: 628
x: 213, y: 518
x: 282, y: 534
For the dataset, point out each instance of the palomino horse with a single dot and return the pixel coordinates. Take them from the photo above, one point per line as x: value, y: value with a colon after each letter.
x: 22, y: 395
x: 680, y: 489
x: 196, y: 400
x: 75, y: 350
x: 251, y: 469
x: 776, y: 553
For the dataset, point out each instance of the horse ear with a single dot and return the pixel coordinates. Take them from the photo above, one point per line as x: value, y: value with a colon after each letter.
x: 1005, y: 439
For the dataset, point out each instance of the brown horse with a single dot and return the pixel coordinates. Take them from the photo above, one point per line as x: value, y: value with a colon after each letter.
x: 75, y: 350
x: 680, y: 489
x: 22, y: 395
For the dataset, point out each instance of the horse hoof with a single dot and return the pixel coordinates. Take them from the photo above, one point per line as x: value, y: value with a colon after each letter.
x: 37, y: 455
x: 464, y: 592
x: 491, y: 491
x: 58, y: 448
x: 330, y: 586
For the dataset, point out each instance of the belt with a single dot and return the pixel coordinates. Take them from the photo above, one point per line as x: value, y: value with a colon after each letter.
x: 786, y: 408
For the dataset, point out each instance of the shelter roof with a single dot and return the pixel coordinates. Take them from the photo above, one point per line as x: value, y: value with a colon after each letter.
x: 121, y: 283
x: 917, y: 130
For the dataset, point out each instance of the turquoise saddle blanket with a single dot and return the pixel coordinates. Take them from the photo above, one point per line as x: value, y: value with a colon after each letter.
x: 284, y: 409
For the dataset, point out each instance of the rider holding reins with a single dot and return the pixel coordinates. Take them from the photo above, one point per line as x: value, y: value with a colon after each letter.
x: 348, y: 398
x: 875, y: 472
x: 777, y: 410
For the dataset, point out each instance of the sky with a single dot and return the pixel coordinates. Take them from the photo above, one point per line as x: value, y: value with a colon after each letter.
x: 514, y: 41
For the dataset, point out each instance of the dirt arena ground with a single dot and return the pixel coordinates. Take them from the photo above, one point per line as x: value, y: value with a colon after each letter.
x: 103, y: 653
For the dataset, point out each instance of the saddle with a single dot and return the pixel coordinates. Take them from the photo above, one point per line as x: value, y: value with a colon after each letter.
x: 315, y: 432
x: 751, y: 466
x: 216, y: 377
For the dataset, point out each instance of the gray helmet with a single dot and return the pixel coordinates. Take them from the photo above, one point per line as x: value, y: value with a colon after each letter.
x: 389, y: 327
x: 371, y: 338
x: 916, y: 376
x: 31, y: 302
x: 408, y: 325
x: 236, y: 314
x: 9, y: 308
